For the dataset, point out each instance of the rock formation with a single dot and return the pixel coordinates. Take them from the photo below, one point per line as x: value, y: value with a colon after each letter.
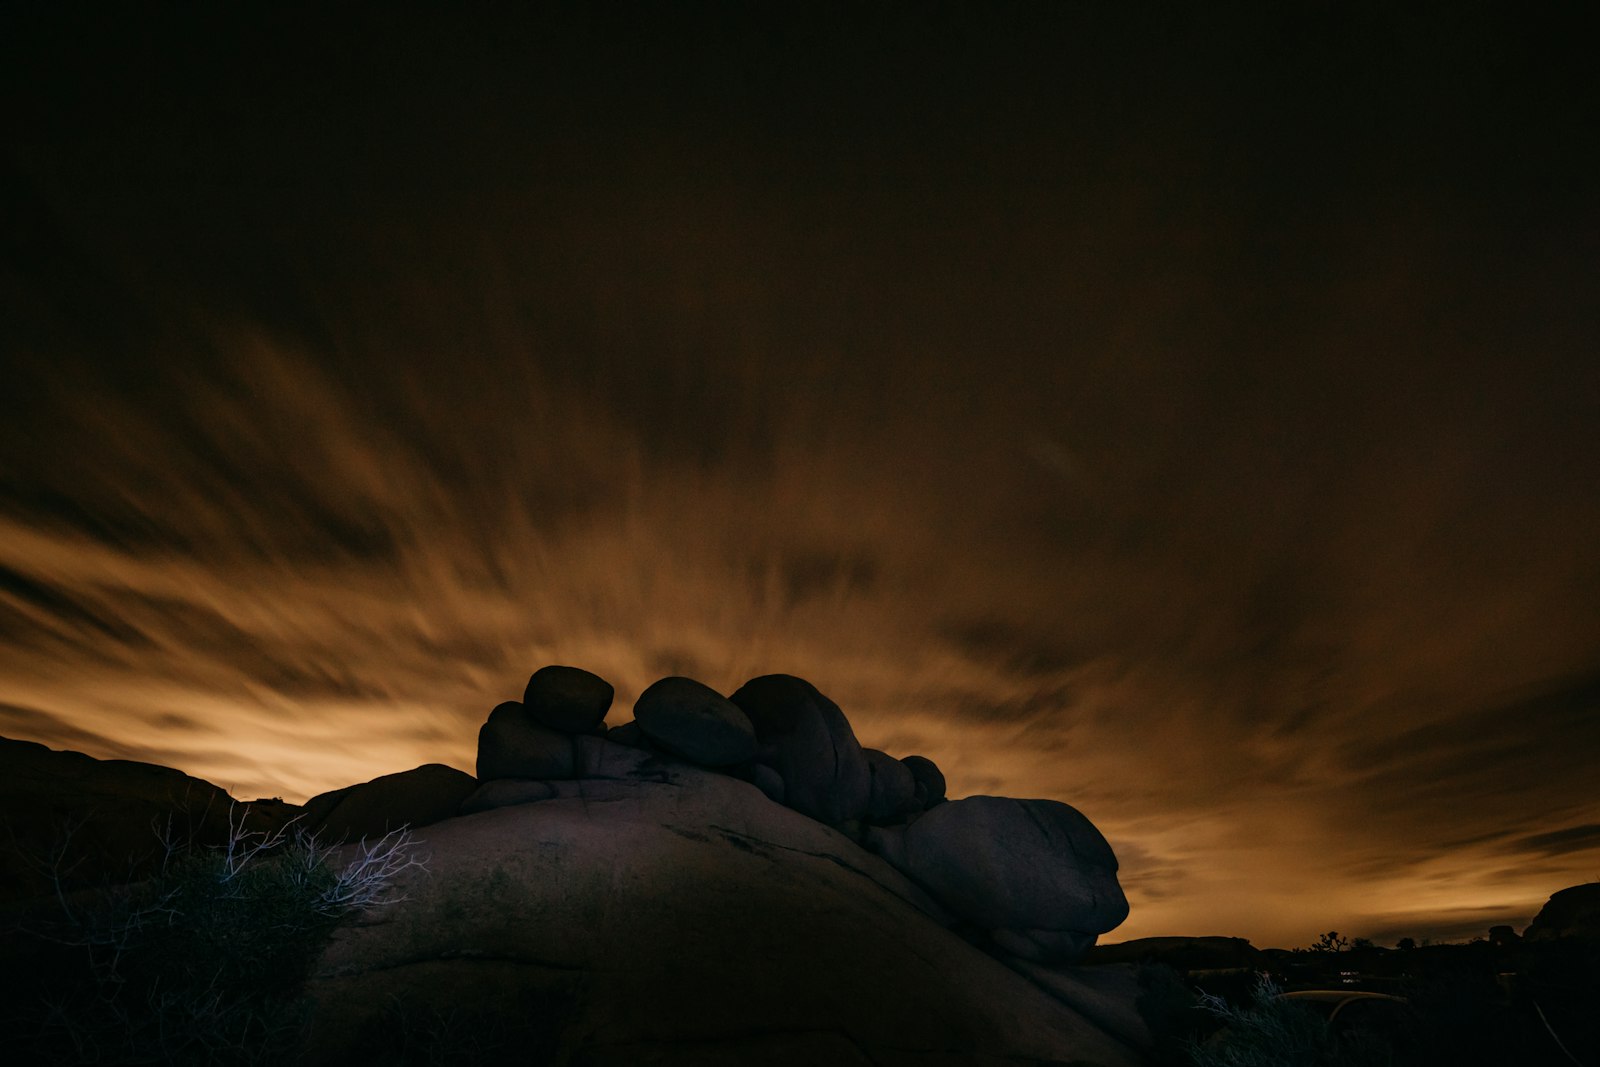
x: 721, y: 880
x: 668, y: 914
x: 1573, y: 912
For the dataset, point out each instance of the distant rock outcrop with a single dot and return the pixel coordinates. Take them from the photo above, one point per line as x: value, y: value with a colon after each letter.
x: 90, y: 822
x: 1183, y: 953
x: 1572, y: 912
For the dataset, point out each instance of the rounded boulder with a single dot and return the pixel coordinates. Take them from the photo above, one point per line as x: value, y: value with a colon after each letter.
x: 512, y: 745
x: 929, y: 779
x: 696, y: 722
x: 569, y: 699
x: 893, y: 789
x: 804, y: 736
x: 1036, y: 868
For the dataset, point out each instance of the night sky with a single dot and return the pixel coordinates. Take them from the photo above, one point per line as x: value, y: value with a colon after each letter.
x: 1191, y: 416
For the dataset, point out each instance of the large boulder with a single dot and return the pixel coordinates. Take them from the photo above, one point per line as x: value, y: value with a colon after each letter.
x: 512, y: 745
x: 893, y: 792
x: 1035, y: 874
x: 569, y: 699
x: 1572, y: 912
x: 417, y: 797
x: 929, y: 779
x: 679, y: 921
x: 804, y: 736
x: 696, y: 722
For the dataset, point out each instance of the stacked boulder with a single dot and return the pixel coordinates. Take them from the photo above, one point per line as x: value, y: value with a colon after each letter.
x: 1033, y: 879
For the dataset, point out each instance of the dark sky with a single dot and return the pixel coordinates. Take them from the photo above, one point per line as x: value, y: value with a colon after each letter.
x: 1188, y: 415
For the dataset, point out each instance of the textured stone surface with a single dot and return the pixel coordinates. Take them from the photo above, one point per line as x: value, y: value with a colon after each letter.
x: 569, y: 699
x: 632, y: 921
x: 804, y: 736
x: 696, y: 722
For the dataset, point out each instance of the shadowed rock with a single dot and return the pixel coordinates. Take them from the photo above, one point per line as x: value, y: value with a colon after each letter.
x: 696, y: 722
x: 1182, y: 953
x: 512, y: 745
x: 503, y: 792
x: 769, y: 782
x: 413, y: 798
x: 804, y: 736
x: 569, y: 699
x: 893, y: 790
x: 627, y: 733
x: 1571, y: 912
x: 684, y: 922
x: 105, y: 819
x: 929, y: 780
x: 1035, y: 873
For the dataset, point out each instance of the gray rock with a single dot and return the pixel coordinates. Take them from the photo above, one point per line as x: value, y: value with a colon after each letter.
x: 569, y: 699
x: 417, y: 797
x: 512, y: 745
x: 893, y: 790
x: 503, y: 792
x: 769, y: 782
x: 806, y: 738
x: 627, y: 734
x: 930, y: 786
x: 1036, y: 870
x: 696, y: 722
x: 683, y: 922
x: 600, y: 758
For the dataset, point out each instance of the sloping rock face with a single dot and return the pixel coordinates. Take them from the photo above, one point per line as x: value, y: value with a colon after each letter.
x: 672, y: 915
x: 104, y: 818
x: 413, y: 798
x: 1572, y: 912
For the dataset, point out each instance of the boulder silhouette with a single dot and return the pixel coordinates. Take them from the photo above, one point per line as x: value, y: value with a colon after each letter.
x: 412, y: 798
x: 1572, y: 912
x: 569, y: 699
x: 687, y: 920
x: 929, y: 779
x: 696, y: 722
x: 804, y: 736
x: 512, y: 745
x: 893, y: 790
x: 1035, y: 874
x: 101, y: 821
